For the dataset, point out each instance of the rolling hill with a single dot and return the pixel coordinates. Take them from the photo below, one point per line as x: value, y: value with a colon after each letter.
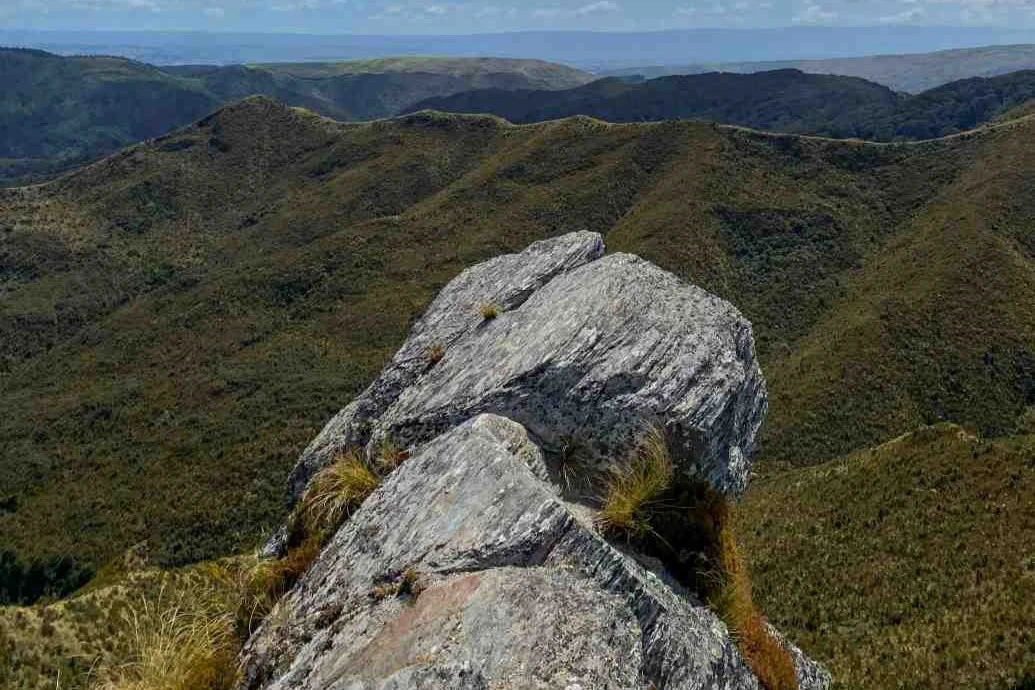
x: 178, y: 320
x: 58, y: 112
x: 909, y: 73
x: 781, y: 101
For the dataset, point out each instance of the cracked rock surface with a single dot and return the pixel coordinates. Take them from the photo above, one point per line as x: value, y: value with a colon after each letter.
x: 586, y: 349
x: 516, y: 591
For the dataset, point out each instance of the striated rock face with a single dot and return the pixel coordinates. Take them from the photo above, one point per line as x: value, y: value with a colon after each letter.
x: 586, y: 350
x: 517, y: 591
x: 467, y: 569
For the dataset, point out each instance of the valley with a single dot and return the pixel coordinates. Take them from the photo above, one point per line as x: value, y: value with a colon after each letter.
x: 182, y: 317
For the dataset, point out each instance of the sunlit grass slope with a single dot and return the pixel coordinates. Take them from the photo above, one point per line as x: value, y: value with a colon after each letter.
x: 910, y: 565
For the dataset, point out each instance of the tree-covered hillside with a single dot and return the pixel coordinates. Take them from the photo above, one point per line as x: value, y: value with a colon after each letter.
x: 780, y: 101
x: 58, y: 112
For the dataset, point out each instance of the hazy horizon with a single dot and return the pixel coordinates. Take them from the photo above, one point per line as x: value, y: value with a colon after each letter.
x: 457, y: 17
x: 589, y: 49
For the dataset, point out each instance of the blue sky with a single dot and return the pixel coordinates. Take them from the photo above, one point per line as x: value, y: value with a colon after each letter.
x: 468, y: 16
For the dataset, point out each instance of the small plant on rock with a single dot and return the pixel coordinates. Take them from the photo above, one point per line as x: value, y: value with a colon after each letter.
x: 633, y: 490
x: 390, y: 456
x: 335, y: 493
x: 434, y: 354
x: 490, y: 311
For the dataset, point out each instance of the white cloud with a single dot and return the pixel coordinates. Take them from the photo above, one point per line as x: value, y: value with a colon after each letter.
x: 603, y: 7
x: 814, y: 13
x: 909, y: 16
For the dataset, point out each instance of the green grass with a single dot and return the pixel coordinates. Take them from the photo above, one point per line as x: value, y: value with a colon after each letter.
x: 906, y: 566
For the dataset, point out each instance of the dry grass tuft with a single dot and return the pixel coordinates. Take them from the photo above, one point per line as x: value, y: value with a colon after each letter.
x: 490, y: 312
x: 180, y: 640
x: 334, y: 494
x: 390, y: 456
x: 406, y: 585
x: 634, y: 490
x: 434, y: 355
x: 259, y: 587
x: 688, y: 525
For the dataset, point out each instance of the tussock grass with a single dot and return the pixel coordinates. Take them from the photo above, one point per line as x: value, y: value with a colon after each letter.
x: 334, y: 494
x: 390, y: 456
x: 184, y: 639
x: 690, y: 527
x: 434, y: 355
x: 634, y: 490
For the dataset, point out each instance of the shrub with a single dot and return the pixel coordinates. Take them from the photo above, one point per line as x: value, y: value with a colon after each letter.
x: 490, y: 311
x: 634, y: 490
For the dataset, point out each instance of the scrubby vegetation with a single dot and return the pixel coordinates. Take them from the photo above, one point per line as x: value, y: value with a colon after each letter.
x: 784, y: 100
x: 905, y: 566
x: 185, y: 316
x: 56, y: 112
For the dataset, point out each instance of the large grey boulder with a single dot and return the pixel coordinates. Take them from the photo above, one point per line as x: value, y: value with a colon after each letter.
x: 587, y: 350
x: 518, y: 591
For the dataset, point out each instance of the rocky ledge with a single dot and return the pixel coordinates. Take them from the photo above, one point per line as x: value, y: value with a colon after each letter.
x: 468, y: 568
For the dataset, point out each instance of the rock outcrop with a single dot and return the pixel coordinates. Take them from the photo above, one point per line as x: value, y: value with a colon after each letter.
x: 516, y: 590
x: 585, y: 349
x: 468, y: 569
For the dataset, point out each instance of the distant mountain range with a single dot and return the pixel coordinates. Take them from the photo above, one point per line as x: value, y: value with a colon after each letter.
x: 594, y: 51
x: 781, y: 100
x: 911, y: 73
x: 57, y: 112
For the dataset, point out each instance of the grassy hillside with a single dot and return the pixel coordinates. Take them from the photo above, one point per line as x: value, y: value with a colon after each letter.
x: 780, y: 101
x: 56, y: 112
x: 179, y: 320
x: 908, y: 565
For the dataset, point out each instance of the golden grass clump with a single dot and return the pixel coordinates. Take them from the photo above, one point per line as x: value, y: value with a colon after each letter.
x: 633, y: 490
x: 670, y: 516
x: 265, y: 583
x: 183, y: 639
x: 390, y: 456
x: 335, y: 493
x: 434, y: 355
x: 489, y: 311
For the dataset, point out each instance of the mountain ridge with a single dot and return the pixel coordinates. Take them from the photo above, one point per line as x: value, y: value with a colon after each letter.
x: 184, y: 315
x: 58, y: 112
x: 785, y: 100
